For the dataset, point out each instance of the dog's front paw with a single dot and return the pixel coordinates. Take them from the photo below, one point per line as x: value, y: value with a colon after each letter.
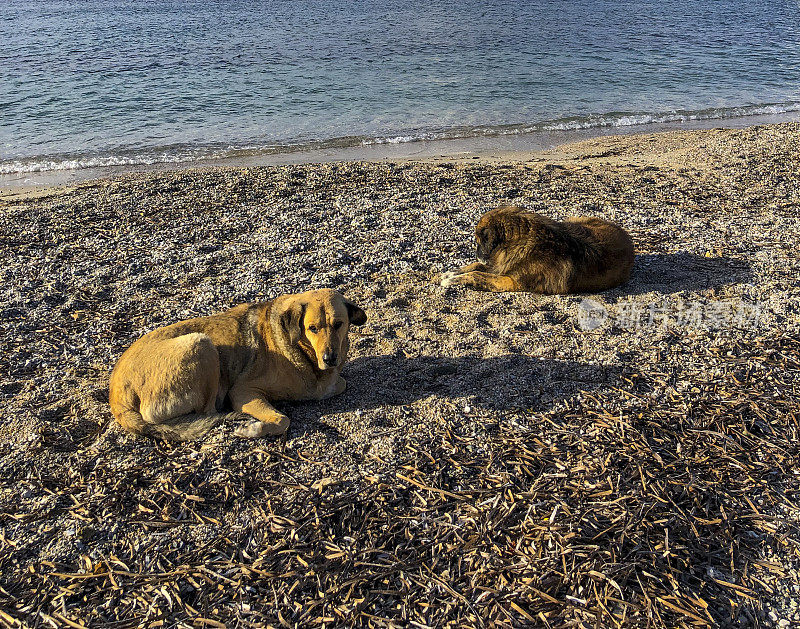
x: 252, y: 429
x: 255, y: 428
x: 335, y: 388
x: 456, y: 279
x: 341, y: 385
x: 448, y: 279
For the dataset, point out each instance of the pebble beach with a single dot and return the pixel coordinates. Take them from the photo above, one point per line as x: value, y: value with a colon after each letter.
x: 621, y: 459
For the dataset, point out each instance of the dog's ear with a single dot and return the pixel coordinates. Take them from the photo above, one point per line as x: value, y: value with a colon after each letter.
x: 356, y: 315
x: 292, y: 320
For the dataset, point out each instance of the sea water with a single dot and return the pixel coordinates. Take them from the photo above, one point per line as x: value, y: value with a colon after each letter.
x: 103, y: 82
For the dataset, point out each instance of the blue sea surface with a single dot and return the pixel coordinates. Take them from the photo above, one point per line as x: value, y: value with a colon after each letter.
x: 103, y: 82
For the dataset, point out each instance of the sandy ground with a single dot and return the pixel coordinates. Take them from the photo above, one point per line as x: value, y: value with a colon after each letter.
x: 628, y: 458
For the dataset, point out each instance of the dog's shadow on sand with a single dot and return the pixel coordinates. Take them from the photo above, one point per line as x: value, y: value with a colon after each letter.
x: 668, y: 273
x: 509, y: 383
x: 513, y: 382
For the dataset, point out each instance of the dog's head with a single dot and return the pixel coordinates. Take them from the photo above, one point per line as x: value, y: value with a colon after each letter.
x: 492, y: 231
x: 317, y: 322
x: 501, y: 227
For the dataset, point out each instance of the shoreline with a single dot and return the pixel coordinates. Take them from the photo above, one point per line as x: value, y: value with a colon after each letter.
x: 494, y: 148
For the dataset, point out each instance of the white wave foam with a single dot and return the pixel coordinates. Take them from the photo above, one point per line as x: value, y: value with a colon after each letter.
x: 35, y: 165
x: 630, y: 120
x: 595, y: 121
x: 172, y: 155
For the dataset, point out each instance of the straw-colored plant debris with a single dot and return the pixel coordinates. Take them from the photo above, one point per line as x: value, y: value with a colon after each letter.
x: 497, y: 460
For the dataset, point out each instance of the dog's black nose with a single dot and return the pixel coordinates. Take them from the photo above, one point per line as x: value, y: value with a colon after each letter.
x: 329, y: 358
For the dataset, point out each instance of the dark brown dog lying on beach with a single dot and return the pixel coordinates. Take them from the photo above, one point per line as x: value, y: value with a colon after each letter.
x: 171, y: 382
x: 524, y: 251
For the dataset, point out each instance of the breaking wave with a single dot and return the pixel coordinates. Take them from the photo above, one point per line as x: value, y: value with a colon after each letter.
x: 174, y: 154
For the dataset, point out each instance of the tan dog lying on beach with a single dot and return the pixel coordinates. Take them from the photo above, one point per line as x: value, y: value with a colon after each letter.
x: 171, y: 382
x: 524, y: 251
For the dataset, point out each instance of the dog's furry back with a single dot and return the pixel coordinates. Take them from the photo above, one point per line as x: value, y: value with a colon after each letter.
x: 584, y: 254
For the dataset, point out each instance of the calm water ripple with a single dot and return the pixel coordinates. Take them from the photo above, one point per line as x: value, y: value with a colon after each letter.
x: 103, y: 82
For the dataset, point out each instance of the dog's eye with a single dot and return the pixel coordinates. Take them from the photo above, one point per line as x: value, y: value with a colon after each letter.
x: 313, y: 329
x: 337, y: 325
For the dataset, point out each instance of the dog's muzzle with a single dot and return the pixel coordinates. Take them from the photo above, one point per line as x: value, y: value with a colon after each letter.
x: 330, y: 358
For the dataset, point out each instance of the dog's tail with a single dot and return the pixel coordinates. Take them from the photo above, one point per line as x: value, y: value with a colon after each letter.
x: 184, y: 428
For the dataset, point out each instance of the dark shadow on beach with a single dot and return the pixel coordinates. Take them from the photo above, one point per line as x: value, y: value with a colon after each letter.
x: 668, y: 273
x: 505, y: 383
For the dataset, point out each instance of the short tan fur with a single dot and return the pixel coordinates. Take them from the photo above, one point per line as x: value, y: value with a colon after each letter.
x: 173, y: 382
